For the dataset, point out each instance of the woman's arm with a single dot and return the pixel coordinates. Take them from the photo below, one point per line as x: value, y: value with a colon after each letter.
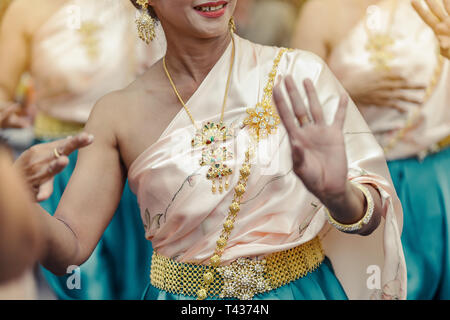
x: 92, y: 195
x: 20, y: 239
x: 14, y: 57
x: 312, y: 30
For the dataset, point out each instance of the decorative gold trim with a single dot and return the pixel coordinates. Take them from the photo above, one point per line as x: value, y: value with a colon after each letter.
x: 444, y: 143
x: 242, y: 279
x: 415, y: 115
x: 240, y: 189
x: 48, y: 128
x: 263, y: 119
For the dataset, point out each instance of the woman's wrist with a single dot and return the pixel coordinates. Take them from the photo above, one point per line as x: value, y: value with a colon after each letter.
x: 349, y: 207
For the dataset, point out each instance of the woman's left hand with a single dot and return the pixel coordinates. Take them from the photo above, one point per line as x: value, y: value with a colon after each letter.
x: 42, y: 162
x: 318, y: 149
x: 12, y: 117
x: 438, y: 18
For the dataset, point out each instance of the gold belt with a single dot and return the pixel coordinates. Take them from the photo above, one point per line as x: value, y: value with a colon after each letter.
x: 435, y: 148
x: 444, y: 143
x: 243, y: 278
x: 47, y: 127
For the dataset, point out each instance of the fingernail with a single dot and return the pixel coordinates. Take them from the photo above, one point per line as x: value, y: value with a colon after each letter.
x: 91, y: 137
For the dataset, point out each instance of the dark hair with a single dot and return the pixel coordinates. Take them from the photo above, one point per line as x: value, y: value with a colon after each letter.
x: 150, y: 9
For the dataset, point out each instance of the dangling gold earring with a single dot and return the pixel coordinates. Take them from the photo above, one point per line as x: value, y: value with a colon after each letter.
x: 145, y: 23
x: 232, y: 25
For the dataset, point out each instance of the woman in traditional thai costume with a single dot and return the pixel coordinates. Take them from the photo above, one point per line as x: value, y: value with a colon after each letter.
x: 232, y: 192
x: 77, y: 51
x: 389, y: 61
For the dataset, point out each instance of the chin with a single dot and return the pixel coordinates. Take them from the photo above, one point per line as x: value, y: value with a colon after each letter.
x: 211, y: 31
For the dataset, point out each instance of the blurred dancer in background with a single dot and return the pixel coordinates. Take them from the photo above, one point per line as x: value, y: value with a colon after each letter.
x: 389, y: 61
x: 76, y: 52
x: 268, y: 22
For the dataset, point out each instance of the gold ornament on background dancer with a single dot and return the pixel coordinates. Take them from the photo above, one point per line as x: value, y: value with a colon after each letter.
x: 379, y: 43
x: 210, y: 135
x: 89, y: 38
x: 145, y: 23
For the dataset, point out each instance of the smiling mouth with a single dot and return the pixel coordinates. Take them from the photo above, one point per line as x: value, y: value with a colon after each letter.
x: 210, y: 8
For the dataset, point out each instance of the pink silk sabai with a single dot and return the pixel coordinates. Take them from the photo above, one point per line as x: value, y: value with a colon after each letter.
x: 183, y: 218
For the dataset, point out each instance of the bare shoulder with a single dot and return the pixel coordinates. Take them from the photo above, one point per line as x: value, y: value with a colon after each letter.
x: 314, y: 15
x: 318, y: 7
x: 109, y: 109
x: 119, y: 111
x: 27, y: 16
x: 117, y: 103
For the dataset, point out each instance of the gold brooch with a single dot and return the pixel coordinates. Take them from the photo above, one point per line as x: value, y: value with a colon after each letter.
x: 262, y: 120
x: 243, y: 279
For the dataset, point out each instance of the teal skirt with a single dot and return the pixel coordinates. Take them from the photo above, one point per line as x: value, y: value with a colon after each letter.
x: 120, y: 264
x: 321, y: 284
x: 424, y: 190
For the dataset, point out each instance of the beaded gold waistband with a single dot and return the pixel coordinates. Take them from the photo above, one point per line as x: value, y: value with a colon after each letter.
x: 444, y: 143
x: 435, y: 148
x: 243, y: 278
x: 47, y: 127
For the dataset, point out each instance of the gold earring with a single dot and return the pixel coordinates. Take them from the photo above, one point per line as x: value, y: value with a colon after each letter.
x: 232, y: 25
x: 145, y: 23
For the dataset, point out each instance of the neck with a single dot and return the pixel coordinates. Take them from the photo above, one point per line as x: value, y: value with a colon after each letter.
x: 194, y: 56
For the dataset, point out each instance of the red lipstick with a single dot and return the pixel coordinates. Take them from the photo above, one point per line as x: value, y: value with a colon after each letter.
x: 206, y: 9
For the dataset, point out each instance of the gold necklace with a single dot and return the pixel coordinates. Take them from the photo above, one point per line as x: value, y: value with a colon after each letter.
x: 378, y: 43
x: 210, y: 135
x: 235, y: 285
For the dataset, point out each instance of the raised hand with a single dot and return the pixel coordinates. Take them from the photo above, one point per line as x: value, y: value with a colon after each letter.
x: 11, y: 117
x: 318, y: 149
x: 437, y: 16
x: 382, y: 90
x: 42, y: 162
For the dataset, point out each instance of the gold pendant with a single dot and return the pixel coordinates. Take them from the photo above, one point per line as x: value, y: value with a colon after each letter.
x: 378, y: 45
x: 210, y: 137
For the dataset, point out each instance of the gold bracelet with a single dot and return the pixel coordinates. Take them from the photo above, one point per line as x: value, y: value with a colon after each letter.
x: 349, y: 228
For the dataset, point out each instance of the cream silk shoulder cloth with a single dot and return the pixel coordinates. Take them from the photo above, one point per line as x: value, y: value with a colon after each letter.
x: 414, y: 57
x: 183, y: 219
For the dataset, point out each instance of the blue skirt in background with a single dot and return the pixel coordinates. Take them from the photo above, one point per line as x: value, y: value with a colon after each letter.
x: 320, y: 284
x: 120, y: 265
x: 424, y: 190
